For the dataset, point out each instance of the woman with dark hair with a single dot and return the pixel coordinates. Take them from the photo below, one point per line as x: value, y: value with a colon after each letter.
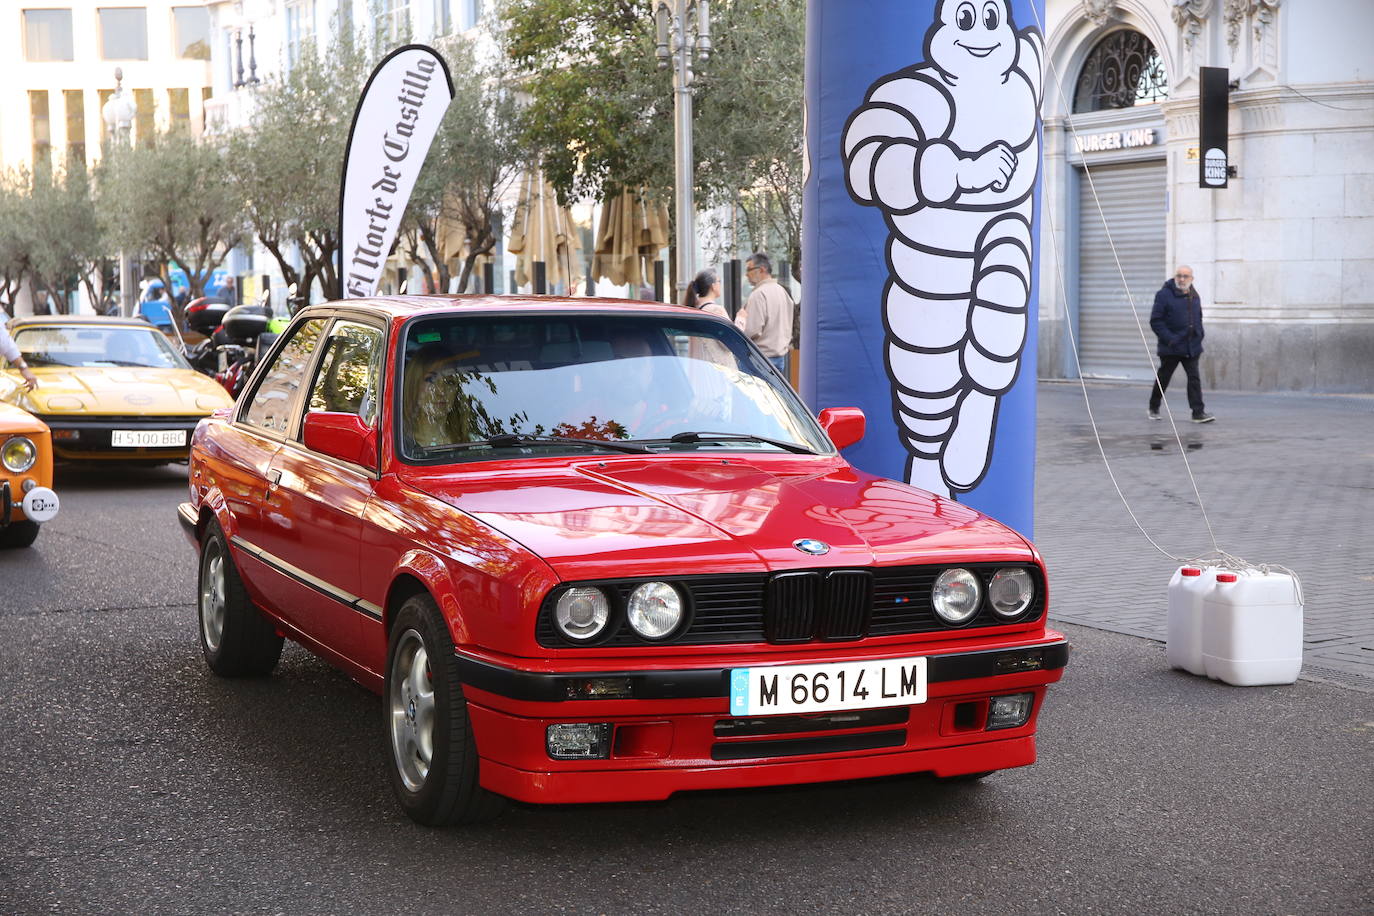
x: 704, y: 293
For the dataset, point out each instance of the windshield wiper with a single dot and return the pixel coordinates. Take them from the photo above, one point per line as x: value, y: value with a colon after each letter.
x: 508, y: 440
x: 740, y: 437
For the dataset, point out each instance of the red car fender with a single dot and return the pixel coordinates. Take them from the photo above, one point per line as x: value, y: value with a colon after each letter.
x: 433, y: 573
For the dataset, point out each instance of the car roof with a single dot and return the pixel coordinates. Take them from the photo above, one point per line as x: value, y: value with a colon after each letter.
x: 402, y: 307
x: 108, y: 320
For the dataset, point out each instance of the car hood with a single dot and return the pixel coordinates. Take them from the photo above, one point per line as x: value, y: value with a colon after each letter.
x: 675, y: 515
x: 15, y: 420
x: 122, y: 392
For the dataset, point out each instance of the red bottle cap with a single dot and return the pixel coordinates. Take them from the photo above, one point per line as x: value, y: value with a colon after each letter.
x: 1190, y: 571
x: 1226, y: 577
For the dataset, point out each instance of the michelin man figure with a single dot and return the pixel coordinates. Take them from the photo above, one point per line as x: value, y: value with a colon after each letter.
x: 949, y: 150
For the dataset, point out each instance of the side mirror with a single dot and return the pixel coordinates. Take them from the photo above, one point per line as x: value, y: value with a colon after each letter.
x: 341, y: 435
x: 844, y: 425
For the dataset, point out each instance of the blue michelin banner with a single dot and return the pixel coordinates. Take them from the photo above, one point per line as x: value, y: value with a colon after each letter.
x: 921, y: 232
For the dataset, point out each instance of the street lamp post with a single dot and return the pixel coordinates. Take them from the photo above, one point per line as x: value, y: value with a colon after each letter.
x: 684, y: 31
x: 118, y: 114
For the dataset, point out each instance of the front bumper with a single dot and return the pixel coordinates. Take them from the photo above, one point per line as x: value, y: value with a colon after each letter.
x: 675, y: 732
x: 88, y: 438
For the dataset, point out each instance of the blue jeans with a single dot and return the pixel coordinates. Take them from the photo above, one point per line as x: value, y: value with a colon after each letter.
x: 780, y: 363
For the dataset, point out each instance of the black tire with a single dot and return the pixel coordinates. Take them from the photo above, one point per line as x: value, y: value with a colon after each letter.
x: 444, y: 789
x: 19, y: 534
x: 235, y: 637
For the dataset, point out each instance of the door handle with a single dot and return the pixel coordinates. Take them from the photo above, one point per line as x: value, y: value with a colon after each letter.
x: 273, y: 478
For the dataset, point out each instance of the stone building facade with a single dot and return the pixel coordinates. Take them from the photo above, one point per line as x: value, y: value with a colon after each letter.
x: 1284, y: 256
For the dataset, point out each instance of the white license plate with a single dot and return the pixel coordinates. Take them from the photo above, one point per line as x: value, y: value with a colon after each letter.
x: 784, y: 689
x: 147, y: 438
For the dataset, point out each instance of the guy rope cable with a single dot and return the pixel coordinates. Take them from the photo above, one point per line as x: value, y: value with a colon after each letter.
x: 1217, y: 557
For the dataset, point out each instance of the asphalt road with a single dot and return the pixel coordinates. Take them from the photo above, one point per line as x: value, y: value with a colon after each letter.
x: 132, y: 780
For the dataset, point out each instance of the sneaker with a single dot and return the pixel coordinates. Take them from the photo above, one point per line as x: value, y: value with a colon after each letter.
x: 1154, y: 415
x: 1203, y: 418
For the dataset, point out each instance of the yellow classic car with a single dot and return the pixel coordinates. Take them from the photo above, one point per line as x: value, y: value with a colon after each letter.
x: 26, y: 497
x: 110, y: 389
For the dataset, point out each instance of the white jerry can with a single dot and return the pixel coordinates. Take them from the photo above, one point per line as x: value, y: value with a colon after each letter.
x: 1183, y: 649
x: 1252, y: 628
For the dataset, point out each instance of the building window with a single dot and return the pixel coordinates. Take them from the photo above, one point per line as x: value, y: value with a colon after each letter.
x: 76, y: 123
x: 393, y: 19
x: 42, y: 127
x: 179, y: 107
x: 48, y: 35
x: 191, y: 32
x: 300, y: 29
x: 144, y: 124
x: 124, y: 33
x: 206, y: 93
x: 1122, y: 71
x: 472, y: 11
x: 443, y: 17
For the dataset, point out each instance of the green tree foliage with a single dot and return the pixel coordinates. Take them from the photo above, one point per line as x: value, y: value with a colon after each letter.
x: 15, y: 242
x: 749, y: 121
x: 64, y: 237
x: 600, y: 112
x: 169, y: 198
x: 287, y: 165
x: 475, y: 159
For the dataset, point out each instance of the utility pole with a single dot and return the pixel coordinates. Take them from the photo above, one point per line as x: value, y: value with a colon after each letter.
x: 684, y: 33
x: 118, y: 114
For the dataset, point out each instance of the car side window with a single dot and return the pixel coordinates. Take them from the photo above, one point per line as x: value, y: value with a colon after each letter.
x: 273, y: 401
x: 346, y: 381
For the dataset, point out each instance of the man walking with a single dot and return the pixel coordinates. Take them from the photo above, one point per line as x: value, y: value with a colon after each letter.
x: 1177, y: 322
x: 766, y: 318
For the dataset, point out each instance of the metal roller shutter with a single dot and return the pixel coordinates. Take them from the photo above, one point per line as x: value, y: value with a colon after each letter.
x: 1132, y: 198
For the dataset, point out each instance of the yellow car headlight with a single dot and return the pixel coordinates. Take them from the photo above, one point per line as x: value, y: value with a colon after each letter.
x: 18, y: 454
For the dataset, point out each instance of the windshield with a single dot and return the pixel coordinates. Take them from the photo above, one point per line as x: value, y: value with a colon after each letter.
x: 97, y: 347
x: 612, y: 378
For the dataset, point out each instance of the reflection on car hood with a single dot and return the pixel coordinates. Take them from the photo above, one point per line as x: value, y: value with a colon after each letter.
x: 15, y: 420
x: 690, y: 515
x: 123, y: 391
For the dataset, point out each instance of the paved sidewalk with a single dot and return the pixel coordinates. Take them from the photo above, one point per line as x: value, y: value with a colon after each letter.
x: 1286, y: 479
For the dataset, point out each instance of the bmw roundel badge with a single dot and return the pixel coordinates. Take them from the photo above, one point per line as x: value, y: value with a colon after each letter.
x: 812, y: 546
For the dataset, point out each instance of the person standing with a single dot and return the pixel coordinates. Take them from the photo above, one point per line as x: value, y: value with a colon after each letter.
x: 704, y: 293
x: 766, y: 318
x: 1177, y: 321
x: 9, y: 350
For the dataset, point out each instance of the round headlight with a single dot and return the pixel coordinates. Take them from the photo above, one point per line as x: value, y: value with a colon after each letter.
x: 655, y: 609
x: 1010, y: 591
x: 956, y: 595
x: 18, y: 454
x: 582, y: 613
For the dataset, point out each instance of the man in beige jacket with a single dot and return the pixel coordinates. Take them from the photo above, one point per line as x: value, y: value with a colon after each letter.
x: 766, y: 318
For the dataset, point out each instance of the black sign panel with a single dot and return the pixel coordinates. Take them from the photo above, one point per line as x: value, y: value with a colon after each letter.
x: 1213, y: 107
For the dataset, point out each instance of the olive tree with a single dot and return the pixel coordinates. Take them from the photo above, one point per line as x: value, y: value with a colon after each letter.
x: 64, y: 239
x: 474, y: 161
x: 169, y: 198
x: 286, y: 166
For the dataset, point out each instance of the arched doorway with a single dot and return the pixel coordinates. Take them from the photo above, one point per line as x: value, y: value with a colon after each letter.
x: 1117, y: 149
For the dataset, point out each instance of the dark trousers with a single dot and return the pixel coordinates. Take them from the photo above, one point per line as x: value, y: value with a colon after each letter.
x: 1167, y: 365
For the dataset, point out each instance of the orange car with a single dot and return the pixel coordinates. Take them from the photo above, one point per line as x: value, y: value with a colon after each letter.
x: 26, y: 497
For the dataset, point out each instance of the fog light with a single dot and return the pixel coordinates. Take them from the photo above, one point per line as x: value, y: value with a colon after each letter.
x: 1010, y: 711
x: 579, y: 740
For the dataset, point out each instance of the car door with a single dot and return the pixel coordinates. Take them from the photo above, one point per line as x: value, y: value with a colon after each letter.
x: 313, y: 523
x: 240, y: 467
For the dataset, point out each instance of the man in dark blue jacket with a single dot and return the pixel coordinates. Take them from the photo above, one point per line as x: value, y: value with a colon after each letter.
x: 1177, y: 322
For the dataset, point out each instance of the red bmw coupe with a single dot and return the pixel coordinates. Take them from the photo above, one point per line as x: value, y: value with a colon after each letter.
x: 595, y: 551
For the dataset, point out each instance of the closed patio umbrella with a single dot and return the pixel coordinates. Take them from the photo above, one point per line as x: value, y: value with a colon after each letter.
x: 543, y: 231
x: 631, y: 233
